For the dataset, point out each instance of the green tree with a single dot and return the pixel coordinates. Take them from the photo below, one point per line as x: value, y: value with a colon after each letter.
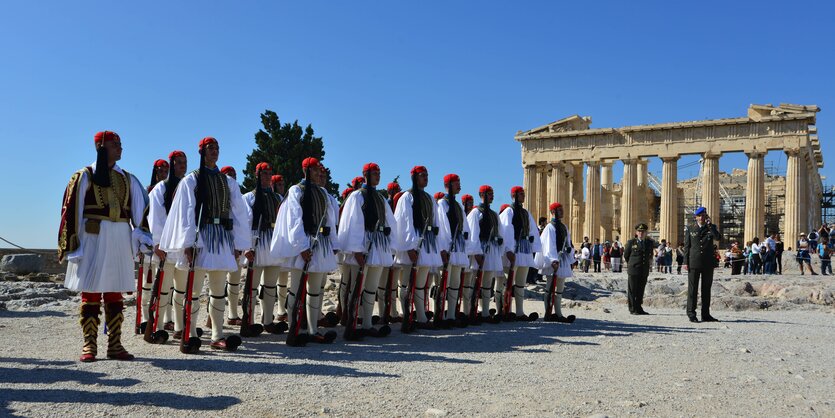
x: 284, y: 147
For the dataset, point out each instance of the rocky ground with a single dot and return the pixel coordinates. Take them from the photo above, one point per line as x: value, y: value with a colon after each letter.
x: 771, y: 355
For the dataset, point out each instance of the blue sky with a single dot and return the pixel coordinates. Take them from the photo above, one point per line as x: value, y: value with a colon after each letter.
x: 442, y: 84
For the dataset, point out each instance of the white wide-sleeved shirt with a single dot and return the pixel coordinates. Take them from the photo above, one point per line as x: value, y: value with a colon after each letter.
x: 290, y: 239
x: 524, y: 251
x: 428, y: 254
x: 353, y: 238
x: 180, y: 230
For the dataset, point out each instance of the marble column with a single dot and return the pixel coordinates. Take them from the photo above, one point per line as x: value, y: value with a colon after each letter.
x: 542, y: 193
x: 577, y: 201
x: 755, y: 197
x: 791, y: 218
x: 669, y: 200
x: 592, y: 224
x: 641, y: 202
x: 559, y: 189
x: 529, y: 183
x: 627, y: 199
x: 803, y: 195
x: 710, y: 187
x: 606, y: 203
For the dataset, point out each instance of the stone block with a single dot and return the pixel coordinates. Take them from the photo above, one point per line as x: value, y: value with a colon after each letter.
x: 22, y: 264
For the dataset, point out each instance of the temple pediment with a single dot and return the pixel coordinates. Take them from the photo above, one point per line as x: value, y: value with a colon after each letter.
x: 569, y: 124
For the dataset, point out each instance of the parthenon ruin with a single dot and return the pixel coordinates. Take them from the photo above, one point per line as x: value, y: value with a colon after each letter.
x: 555, y: 157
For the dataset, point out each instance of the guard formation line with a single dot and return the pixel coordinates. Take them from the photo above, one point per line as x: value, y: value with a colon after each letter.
x: 426, y: 262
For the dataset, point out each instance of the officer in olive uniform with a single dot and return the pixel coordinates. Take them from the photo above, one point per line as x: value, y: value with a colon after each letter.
x: 699, y: 240
x: 638, y: 256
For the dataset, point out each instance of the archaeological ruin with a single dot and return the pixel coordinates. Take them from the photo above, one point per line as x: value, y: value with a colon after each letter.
x: 557, y: 156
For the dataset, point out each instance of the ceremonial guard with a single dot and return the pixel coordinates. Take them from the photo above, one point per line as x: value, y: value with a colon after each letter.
x: 302, y: 238
x: 98, y: 236
x: 699, y: 241
x: 388, y: 280
x: 263, y: 204
x: 416, y: 224
x: 277, y: 182
x: 161, y: 199
x: 467, y: 201
x: 521, y: 238
x: 638, y: 257
x: 487, y: 247
x: 365, y: 234
x: 208, y: 225
x: 150, y: 264
x: 453, y: 242
x: 233, y: 278
x: 556, y: 258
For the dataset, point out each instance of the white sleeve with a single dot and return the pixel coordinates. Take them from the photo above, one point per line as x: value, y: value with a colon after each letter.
x: 289, y: 238
x: 180, y: 227
x: 506, y: 230
x: 548, y: 254
x: 138, y: 201
x: 405, y: 226
x: 444, y: 239
x: 83, y: 183
x: 156, y: 211
x: 473, y: 222
x: 351, y: 234
x: 241, y: 217
x: 249, y: 199
x: 333, y: 217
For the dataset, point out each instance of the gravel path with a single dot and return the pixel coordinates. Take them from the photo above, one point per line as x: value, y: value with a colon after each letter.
x: 767, y: 363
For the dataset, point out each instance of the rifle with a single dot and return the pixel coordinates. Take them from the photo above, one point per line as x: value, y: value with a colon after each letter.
x: 139, y: 275
x: 479, y: 278
x: 189, y: 344
x: 387, y: 302
x: 248, y: 329
x: 508, y: 287
x: 408, y: 324
x: 354, y: 302
x: 441, y: 292
x: 551, y: 296
x: 297, y: 312
x: 151, y: 334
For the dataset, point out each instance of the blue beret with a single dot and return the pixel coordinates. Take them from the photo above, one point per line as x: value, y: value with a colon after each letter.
x: 700, y: 210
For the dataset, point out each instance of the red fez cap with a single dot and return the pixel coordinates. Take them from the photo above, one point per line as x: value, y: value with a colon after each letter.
x: 357, y: 182
x: 393, y: 186
x: 484, y: 189
x: 467, y: 198
x: 276, y: 179
x: 554, y: 206
x: 369, y: 167
x: 175, y: 154
x: 439, y: 195
x: 346, y: 192
x: 516, y: 189
x: 263, y: 167
x: 418, y: 169
x: 206, y: 141
x: 160, y: 163
x: 505, y: 206
x: 106, y: 136
x: 228, y: 169
x: 449, y: 178
x: 309, y: 161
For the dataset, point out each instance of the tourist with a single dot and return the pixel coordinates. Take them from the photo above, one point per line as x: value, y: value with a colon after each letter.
x: 597, y: 254
x: 615, y: 254
x: 584, y: 257
x: 803, y: 255
x: 756, y: 257
x: 825, y: 249
x: 779, y: 247
x: 679, y: 256
x: 607, y: 258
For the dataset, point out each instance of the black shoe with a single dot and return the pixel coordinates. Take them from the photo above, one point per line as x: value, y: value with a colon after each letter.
x: 276, y: 327
x: 708, y: 318
x: 633, y: 312
x: 299, y: 340
x: 566, y: 319
x: 693, y: 319
x: 325, y: 338
x: 353, y: 334
x: 643, y: 312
